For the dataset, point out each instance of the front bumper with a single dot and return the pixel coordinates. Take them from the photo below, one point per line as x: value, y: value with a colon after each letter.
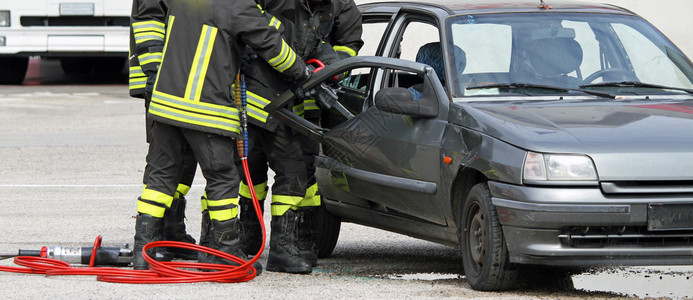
x: 46, y: 41
x: 580, y: 226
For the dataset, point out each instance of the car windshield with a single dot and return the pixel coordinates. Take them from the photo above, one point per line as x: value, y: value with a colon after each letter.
x: 531, y: 54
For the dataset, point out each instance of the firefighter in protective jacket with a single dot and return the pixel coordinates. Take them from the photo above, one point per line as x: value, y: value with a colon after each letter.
x: 191, y: 104
x: 323, y: 29
x: 174, y: 218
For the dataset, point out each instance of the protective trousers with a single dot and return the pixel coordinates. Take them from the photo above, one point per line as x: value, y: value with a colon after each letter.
x: 282, y: 149
x: 174, y: 228
x: 214, y: 154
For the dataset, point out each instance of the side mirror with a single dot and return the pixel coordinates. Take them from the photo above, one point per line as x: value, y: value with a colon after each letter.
x: 399, y: 100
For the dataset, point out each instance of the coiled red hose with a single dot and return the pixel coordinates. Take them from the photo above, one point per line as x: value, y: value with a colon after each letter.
x: 159, y: 272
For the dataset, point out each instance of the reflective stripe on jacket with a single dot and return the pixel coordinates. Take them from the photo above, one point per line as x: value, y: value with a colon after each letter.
x: 201, y: 55
x: 337, y: 22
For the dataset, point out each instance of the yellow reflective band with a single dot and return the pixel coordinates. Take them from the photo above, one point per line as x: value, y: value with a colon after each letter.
x: 145, y: 205
x: 183, y: 189
x: 257, y: 113
x: 312, y: 201
x: 285, y: 59
x: 256, y: 105
x: 136, y: 78
x: 260, y: 7
x: 348, y: 50
x: 224, y: 213
x: 143, y: 26
x: 311, y: 198
x: 148, y: 36
x: 260, y: 191
x: 310, y: 104
x: 256, y: 99
x: 136, y: 71
x: 281, y: 204
x: 168, y: 33
x: 196, y: 113
x: 287, y: 63
x: 312, y: 190
x: 200, y: 63
x: 222, y: 202
x: 137, y: 83
x: 157, y: 197
x: 281, y: 57
x: 298, y: 109
x: 152, y: 210
x: 203, y: 202
x: 274, y: 22
x: 149, y: 58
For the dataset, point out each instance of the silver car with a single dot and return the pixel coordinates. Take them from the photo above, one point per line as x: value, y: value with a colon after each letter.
x: 524, y: 133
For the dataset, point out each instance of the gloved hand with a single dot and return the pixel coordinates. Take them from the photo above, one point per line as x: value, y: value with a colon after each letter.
x: 149, y: 89
x: 248, y: 56
x: 297, y: 86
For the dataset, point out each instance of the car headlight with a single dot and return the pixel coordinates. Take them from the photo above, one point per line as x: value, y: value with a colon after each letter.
x: 4, y: 18
x: 558, y: 167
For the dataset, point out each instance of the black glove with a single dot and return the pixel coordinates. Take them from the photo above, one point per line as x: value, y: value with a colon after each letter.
x: 248, y: 56
x: 148, y: 90
x: 297, y: 86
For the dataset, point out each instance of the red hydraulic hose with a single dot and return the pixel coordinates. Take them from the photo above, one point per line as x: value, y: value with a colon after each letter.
x: 159, y: 272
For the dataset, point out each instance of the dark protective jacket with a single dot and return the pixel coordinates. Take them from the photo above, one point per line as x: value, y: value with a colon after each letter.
x: 147, y: 33
x: 328, y: 30
x: 202, y: 52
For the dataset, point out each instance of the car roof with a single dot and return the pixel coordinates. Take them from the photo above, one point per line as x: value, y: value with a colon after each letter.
x: 457, y: 7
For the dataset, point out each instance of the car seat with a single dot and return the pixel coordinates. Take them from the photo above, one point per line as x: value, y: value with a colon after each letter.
x: 550, y: 60
x: 431, y: 54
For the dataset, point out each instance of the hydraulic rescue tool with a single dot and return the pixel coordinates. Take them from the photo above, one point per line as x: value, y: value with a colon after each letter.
x: 324, y: 94
x: 105, y: 256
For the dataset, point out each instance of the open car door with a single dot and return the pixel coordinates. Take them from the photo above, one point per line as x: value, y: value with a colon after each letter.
x: 380, y: 146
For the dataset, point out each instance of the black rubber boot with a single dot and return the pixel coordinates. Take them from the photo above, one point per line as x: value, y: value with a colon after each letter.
x: 205, y: 234
x: 284, y: 255
x: 308, y: 234
x: 227, y: 236
x: 174, y: 230
x: 147, y: 229
x: 252, y: 237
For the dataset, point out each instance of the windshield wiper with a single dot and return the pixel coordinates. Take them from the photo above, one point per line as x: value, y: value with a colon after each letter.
x: 520, y: 85
x: 636, y: 84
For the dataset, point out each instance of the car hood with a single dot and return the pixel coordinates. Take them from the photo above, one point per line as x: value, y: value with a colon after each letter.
x: 645, y: 140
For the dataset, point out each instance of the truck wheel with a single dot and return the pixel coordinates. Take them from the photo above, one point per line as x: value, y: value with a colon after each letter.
x: 75, y: 65
x: 328, y: 231
x: 109, y: 65
x: 13, y: 69
x: 485, y: 255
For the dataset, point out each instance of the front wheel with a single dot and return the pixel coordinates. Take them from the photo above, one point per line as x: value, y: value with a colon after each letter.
x: 329, y: 226
x: 13, y: 69
x: 485, y: 255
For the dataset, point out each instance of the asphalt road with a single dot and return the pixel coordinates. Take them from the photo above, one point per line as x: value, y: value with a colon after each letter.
x: 71, y: 166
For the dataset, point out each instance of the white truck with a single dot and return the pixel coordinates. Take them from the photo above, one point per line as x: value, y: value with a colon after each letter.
x: 85, y: 35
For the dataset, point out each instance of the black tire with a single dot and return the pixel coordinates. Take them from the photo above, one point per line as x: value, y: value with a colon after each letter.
x: 109, y: 65
x: 75, y: 65
x: 13, y: 69
x: 328, y: 231
x: 548, y: 278
x: 485, y: 255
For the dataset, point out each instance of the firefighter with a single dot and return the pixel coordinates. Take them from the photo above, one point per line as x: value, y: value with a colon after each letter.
x: 311, y: 27
x: 150, y: 51
x: 191, y: 105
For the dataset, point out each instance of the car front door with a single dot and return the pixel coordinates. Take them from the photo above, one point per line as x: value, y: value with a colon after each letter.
x: 384, y: 156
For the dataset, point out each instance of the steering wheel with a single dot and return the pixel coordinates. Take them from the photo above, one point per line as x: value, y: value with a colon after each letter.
x: 625, y: 74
